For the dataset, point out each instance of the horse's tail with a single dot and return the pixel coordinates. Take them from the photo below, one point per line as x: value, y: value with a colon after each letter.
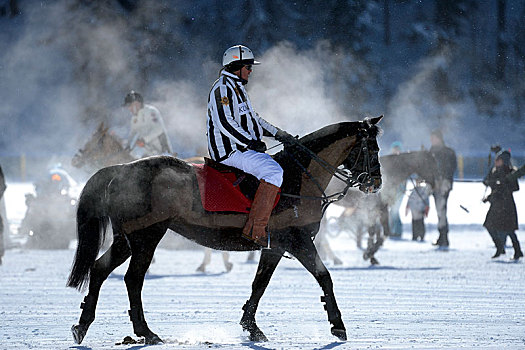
x: 92, y: 222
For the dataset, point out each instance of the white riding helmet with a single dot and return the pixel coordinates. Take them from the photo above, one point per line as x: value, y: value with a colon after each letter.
x: 238, y: 54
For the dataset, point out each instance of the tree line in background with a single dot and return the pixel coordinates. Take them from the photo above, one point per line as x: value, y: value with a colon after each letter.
x: 365, y: 48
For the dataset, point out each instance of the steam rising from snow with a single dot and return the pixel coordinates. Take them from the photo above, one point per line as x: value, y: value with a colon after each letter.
x: 415, y: 110
x: 410, y: 107
x: 64, y: 70
x: 183, y: 108
x: 289, y: 90
x: 44, y: 93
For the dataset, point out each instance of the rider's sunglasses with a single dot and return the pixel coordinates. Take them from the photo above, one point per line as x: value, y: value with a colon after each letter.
x: 248, y: 67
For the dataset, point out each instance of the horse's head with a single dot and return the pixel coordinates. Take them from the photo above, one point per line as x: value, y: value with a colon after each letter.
x: 78, y: 160
x: 102, y: 149
x: 363, y: 160
x: 399, y: 167
x: 91, y: 149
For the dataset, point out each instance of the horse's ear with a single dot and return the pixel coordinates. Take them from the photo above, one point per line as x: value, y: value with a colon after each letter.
x: 376, y: 120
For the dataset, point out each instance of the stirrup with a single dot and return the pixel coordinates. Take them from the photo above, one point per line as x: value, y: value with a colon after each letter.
x: 262, y: 241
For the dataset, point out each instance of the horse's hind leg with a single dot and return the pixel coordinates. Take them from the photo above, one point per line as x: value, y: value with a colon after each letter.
x: 226, y: 260
x: 304, y: 250
x: 111, y: 259
x: 267, y: 264
x: 206, y: 261
x: 143, y: 244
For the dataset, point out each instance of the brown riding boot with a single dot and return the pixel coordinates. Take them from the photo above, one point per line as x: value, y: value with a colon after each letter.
x: 262, y: 206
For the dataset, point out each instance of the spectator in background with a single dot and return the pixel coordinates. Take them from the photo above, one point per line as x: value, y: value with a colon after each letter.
x: 418, y: 204
x: 502, y: 217
x: 446, y: 166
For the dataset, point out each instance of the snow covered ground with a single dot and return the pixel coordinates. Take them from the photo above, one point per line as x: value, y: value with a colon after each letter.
x: 419, y: 297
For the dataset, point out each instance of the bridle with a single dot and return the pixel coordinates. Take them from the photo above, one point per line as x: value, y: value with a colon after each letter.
x: 364, y: 179
x: 348, y: 176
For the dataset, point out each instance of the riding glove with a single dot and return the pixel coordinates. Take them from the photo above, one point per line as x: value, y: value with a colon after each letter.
x: 257, y: 146
x: 284, y: 137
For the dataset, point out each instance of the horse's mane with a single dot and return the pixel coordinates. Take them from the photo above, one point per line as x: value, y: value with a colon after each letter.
x: 320, y: 139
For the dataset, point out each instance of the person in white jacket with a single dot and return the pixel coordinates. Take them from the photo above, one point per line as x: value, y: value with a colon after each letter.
x: 235, y: 134
x: 148, y: 134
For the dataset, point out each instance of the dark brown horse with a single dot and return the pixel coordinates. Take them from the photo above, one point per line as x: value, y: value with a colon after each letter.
x: 101, y: 150
x: 144, y: 198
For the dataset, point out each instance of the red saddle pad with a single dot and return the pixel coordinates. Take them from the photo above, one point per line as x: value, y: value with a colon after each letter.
x: 218, y: 192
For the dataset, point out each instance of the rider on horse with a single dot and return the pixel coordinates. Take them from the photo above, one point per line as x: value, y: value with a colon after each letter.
x: 235, y: 134
x: 147, y: 127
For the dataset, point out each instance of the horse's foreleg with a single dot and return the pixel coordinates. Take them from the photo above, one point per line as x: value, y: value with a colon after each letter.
x: 267, y: 264
x: 111, y: 259
x: 375, y: 241
x: 384, y: 218
x: 304, y: 250
x: 143, y: 244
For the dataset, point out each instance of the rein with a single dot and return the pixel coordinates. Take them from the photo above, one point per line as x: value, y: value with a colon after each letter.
x: 344, y: 176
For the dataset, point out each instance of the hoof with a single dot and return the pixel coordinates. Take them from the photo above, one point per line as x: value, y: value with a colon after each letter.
x: 228, y: 265
x: 256, y: 335
x: 127, y: 341
x: 339, y: 333
x: 338, y: 329
x: 152, y: 340
x: 79, y: 332
x: 374, y: 261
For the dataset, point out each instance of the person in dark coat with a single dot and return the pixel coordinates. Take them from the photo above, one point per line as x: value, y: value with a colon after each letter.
x: 502, y: 217
x: 446, y: 166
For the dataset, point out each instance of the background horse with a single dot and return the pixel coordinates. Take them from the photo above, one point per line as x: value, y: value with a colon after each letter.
x: 101, y: 150
x: 142, y: 199
x: 371, y: 213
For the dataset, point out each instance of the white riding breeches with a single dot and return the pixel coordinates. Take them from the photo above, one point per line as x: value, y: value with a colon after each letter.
x: 260, y: 165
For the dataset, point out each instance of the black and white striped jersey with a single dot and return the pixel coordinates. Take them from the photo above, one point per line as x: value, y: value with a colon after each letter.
x: 232, y: 122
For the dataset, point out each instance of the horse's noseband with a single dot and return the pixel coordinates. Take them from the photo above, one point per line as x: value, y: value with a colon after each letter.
x: 363, y: 178
x: 371, y: 184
